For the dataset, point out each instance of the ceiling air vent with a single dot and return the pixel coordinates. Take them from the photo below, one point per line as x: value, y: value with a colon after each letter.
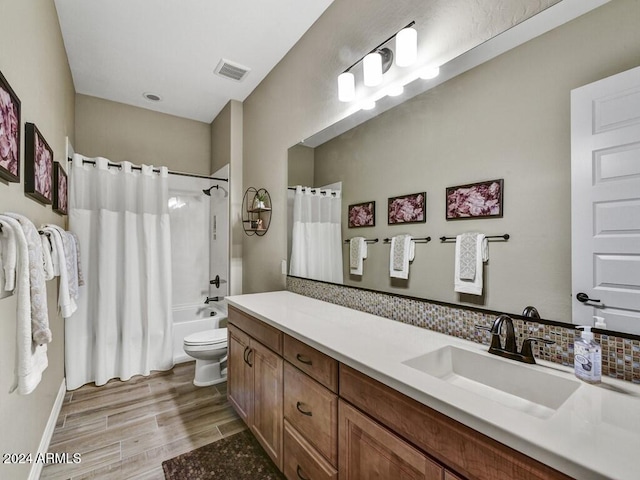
x: 231, y: 70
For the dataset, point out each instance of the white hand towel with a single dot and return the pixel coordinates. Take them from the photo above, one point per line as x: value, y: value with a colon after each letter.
x: 65, y: 302
x: 37, y: 286
x: 357, y: 254
x: 402, y: 251
x: 80, y: 275
x: 72, y: 264
x: 474, y: 286
x: 31, y: 358
x: 466, y: 244
x: 8, y: 254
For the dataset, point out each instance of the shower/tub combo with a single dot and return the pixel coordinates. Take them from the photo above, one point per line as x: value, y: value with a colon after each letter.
x: 199, y: 215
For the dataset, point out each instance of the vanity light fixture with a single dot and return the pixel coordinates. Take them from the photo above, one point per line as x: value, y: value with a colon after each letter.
x: 346, y: 87
x: 406, y: 47
x: 378, y: 61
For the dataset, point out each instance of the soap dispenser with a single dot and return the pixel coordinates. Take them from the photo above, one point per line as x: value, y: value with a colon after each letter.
x: 587, y: 356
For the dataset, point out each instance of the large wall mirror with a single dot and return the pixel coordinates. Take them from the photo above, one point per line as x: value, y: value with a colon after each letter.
x: 508, y: 118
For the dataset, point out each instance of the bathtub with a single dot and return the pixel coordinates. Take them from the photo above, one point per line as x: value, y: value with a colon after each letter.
x: 195, y: 318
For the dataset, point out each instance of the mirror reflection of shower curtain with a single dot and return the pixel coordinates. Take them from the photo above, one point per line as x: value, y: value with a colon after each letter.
x: 123, y: 325
x: 316, y: 245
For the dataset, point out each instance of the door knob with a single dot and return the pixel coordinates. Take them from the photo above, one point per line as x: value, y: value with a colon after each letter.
x: 584, y: 298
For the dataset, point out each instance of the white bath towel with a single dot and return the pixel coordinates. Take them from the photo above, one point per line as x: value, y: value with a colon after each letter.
x: 37, y: 286
x: 65, y: 302
x: 8, y: 262
x: 402, y: 251
x: 357, y: 254
x: 46, y: 256
x: 473, y: 286
x: 31, y: 358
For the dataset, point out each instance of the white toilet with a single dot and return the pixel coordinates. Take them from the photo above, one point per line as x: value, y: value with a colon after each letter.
x: 209, y: 348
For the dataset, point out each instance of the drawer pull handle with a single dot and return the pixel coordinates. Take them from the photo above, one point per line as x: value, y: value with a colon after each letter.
x: 244, y: 355
x: 249, y: 353
x: 304, y: 412
x: 304, y: 360
x: 299, y: 472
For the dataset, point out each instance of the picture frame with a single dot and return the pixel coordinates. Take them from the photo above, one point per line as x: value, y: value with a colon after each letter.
x: 405, y: 209
x: 60, y: 189
x: 38, y: 166
x: 475, y: 200
x: 9, y: 132
x: 362, y: 214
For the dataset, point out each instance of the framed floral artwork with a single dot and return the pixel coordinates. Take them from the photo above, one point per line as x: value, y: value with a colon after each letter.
x: 410, y: 208
x: 60, y: 197
x: 362, y: 215
x: 475, y: 200
x: 38, y: 165
x: 9, y: 132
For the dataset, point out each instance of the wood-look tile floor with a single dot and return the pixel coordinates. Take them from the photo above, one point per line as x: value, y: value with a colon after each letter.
x: 125, y: 430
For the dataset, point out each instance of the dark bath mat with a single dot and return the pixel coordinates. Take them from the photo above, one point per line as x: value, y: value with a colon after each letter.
x: 238, y: 457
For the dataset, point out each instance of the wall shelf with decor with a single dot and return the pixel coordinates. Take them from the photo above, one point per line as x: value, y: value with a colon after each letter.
x: 256, y: 211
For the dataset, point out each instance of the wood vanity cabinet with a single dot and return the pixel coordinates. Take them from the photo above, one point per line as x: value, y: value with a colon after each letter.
x: 319, y: 419
x: 255, y: 382
x: 310, y: 412
x: 454, y: 445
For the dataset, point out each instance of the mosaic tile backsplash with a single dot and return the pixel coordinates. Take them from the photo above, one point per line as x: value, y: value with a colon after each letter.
x: 620, y: 356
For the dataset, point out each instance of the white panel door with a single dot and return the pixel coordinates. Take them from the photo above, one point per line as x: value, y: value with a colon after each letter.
x: 605, y: 201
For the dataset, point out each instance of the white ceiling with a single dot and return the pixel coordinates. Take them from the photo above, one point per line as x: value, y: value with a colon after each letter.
x: 120, y: 49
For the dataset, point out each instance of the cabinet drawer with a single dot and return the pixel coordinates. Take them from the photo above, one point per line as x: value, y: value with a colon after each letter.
x: 301, y: 460
x: 313, y: 410
x: 265, y: 334
x: 314, y: 363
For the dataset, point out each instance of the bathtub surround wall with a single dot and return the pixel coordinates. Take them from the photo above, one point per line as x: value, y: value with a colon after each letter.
x: 620, y: 356
x: 34, y: 62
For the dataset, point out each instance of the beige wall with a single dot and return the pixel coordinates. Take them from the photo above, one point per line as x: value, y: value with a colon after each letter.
x: 301, y: 166
x: 226, y: 148
x: 221, y: 139
x: 34, y: 62
x: 509, y: 118
x: 121, y: 132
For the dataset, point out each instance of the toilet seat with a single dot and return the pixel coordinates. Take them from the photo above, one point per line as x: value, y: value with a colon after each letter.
x: 215, y: 337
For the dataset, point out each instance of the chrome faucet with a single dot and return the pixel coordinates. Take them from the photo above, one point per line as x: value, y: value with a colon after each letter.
x: 510, y: 349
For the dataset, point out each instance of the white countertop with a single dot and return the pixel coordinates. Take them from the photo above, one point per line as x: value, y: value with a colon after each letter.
x: 595, y: 434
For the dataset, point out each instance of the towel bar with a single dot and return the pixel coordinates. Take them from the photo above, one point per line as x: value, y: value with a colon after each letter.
x: 506, y: 236
x: 416, y: 240
x: 367, y: 240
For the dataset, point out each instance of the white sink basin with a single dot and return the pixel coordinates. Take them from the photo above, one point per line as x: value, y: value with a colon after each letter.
x: 515, y: 385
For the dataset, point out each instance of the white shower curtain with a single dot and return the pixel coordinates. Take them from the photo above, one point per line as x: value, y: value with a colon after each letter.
x: 123, y: 324
x: 316, y: 245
